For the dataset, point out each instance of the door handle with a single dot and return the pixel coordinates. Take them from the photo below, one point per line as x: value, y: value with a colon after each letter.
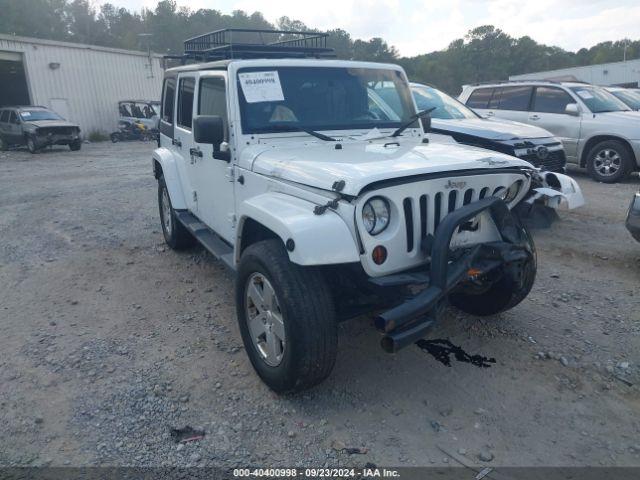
x: 534, y: 117
x: 176, y: 142
x: 195, y: 152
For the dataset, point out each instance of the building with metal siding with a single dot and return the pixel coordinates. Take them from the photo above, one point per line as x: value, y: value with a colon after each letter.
x: 625, y: 74
x: 82, y: 83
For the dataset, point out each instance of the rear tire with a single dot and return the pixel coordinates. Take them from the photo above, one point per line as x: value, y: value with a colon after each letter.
x: 609, y: 161
x: 3, y: 144
x: 75, y: 146
x: 31, y: 145
x: 115, y: 137
x: 301, y: 309
x: 502, y: 295
x: 175, y: 233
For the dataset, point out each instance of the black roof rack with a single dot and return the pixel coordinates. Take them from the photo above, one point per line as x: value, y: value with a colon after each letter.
x: 232, y: 43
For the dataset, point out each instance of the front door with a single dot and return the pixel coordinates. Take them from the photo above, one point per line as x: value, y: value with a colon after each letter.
x: 212, y: 177
x: 548, y: 111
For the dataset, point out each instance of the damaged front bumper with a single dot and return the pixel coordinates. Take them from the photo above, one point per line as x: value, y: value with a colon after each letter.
x: 409, y: 321
x: 555, y: 190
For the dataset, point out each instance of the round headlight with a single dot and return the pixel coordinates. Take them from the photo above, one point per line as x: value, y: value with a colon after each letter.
x: 375, y: 215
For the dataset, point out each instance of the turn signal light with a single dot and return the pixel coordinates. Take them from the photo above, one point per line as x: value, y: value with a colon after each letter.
x: 379, y: 255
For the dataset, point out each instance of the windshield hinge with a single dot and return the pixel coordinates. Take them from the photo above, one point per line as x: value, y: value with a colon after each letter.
x: 331, y: 204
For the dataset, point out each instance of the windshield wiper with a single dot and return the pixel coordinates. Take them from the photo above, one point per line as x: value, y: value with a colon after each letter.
x: 415, y: 117
x: 283, y: 127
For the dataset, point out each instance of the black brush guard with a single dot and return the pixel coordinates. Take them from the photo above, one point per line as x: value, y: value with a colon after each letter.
x: 409, y: 321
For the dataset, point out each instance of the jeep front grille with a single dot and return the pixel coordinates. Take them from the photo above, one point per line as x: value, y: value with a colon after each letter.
x: 424, y: 213
x: 418, y: 208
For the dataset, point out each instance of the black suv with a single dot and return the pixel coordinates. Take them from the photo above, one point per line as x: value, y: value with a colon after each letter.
x: 36, y: 127
x: 451, y: 118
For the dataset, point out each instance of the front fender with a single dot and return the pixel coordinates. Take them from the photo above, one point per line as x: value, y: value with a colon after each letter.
x: 319, y: 239
x: 167, y: 162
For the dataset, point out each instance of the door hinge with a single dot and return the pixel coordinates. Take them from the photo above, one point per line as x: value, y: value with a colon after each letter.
x: 195, y: 196
x: 232, y: 219
x: 231, y: 174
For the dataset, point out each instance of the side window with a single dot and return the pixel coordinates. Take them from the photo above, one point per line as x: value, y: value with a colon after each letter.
x: 551, y: 100
x: 4, y: 116
x: 13, y: 118
x: 480, y: 98
x: 515, y: 98
x: 212, y: 99
x: 185, y: 102
x: 168, y: 100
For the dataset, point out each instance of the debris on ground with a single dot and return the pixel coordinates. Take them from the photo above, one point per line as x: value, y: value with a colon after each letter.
x: 186, y: 434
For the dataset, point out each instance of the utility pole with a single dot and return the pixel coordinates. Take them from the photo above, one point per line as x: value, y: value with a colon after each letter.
x: 147, y: 37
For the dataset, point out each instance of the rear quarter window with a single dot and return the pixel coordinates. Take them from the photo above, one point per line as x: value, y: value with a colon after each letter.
x: 4, y: 116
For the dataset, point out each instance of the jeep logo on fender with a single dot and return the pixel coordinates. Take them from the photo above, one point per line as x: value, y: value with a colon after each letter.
x: 457, y: 185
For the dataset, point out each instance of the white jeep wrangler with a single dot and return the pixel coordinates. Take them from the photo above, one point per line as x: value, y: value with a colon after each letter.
x: 321, y: 227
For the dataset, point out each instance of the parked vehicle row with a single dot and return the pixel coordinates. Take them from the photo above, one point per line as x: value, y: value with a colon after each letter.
x: 599, y: 131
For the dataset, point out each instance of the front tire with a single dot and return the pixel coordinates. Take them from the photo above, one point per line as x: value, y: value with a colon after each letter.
x: 31, y: 145
x: 75, y: 145
x: 500, y: 296
x: 286, y: 317
x: 175, y: 233
x: 609, y: 161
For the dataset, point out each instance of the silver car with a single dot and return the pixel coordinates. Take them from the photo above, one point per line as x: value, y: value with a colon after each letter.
x: 599, y: 131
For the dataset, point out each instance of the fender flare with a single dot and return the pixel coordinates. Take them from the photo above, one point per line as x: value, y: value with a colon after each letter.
x: 167, y: 162
x: 319, y: 239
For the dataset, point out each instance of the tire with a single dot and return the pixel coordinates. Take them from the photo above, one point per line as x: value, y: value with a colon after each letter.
x: 75, y: 146
x: 502, y: 295
x: 4, y: 146
x: 31, y: 145
x: 175, y: 234
x: 303, y: 309
x: 115, y: 137
x: 609, y: 161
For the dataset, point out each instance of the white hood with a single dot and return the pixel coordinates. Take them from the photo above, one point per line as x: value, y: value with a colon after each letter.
x: 359, y: 163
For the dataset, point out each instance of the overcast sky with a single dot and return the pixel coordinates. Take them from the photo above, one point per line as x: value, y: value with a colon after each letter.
x: 422, y: 26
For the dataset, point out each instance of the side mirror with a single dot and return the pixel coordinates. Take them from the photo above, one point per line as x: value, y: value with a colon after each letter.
x: 426, y: 123
x: 208, y: 129
x: 572, y: 109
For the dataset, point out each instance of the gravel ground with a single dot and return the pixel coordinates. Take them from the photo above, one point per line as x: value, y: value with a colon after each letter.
x: 110, y: 340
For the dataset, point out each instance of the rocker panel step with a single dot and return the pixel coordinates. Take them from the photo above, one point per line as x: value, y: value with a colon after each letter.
x: 208, y: 238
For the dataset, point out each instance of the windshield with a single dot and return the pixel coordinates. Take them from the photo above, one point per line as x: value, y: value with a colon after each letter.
x: 282, y: 99
x: 598, y: 100
x: 446, y: 108
x: 156, y: 107
x: 630, y: 98
x: 34, y: 115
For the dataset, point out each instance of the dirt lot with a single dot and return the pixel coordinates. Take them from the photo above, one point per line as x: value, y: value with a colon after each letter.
x: 109, y: 340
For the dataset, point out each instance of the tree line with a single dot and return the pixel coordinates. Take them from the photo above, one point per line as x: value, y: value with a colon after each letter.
x: 486, y: 53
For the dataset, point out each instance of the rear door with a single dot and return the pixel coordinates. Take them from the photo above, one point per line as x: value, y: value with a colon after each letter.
x: 511, y: 102
x: 182, y: 137
x: 548, y: 112
x: 4, y: 124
